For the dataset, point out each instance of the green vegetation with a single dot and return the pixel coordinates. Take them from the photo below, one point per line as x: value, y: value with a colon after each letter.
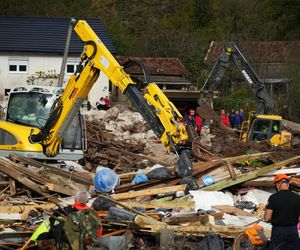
x: 182, y: 28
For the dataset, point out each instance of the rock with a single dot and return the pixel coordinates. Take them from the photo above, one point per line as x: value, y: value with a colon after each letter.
x: 206, y: 137
x: 111, y: 114
x: 150, y: 135
x: 93, y: 114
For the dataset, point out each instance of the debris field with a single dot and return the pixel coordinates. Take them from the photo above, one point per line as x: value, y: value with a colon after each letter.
x: 148, y: 206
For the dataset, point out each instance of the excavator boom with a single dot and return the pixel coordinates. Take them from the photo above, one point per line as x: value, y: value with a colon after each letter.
x: 161, y: 115
x: 232, y: 54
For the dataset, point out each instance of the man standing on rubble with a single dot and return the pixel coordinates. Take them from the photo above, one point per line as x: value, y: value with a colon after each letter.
x: 283, y: 210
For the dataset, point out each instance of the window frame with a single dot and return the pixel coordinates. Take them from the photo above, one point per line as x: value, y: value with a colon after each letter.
x: 18, y: 62
x: 73, y: 62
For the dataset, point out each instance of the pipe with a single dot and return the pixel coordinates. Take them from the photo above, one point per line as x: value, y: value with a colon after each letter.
x: 66, y: 52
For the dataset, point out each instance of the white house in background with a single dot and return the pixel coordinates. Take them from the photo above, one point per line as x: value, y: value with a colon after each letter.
x: 32, y: 44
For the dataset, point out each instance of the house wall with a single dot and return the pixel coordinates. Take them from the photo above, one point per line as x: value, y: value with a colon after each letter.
x: 44, y: 63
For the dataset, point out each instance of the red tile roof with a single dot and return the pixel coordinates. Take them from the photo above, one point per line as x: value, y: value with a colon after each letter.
x: 156, y: 66
x: 260, y: 51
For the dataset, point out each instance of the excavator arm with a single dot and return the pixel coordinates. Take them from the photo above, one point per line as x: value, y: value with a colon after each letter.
x: 232, y: 54
x: 161, y: 115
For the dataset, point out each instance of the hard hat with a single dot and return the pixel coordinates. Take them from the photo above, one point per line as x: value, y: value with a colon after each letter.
x: 280, y: 177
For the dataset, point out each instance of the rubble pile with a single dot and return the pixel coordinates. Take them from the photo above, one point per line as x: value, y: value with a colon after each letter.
x: 224, y: 142
x: 126, y: 125
x: 118, y: 139
x: 137, y: 200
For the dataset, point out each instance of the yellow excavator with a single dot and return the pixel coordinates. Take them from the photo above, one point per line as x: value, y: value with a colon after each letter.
x: 261, y: 125
x: 161, y: 115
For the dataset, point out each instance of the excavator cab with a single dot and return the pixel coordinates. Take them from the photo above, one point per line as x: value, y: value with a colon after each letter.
x: 265, y: 127
x: 30, y: 106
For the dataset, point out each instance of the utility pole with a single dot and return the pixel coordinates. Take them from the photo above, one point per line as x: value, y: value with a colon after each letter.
x: 66, y: 52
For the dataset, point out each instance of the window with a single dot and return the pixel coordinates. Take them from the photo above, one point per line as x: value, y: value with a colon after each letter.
x: 7, y: 138
x: 71, y: 66
x: 29, y: 109
x: 261, y: 129
x: 6, y: 92
x: 18, y: 65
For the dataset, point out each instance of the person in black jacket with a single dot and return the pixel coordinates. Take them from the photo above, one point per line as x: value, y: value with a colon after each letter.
x: 283, y: 210
x: 232, y: 118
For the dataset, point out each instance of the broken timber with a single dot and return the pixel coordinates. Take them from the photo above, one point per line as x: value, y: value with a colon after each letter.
x: 229, y: 230
x: 249, y: 176
x: 148, y: 192
x: 158, y: 204
x: 191, y: 218
x: 8, y: 168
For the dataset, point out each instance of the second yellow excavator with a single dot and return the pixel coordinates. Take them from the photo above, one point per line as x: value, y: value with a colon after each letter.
x: 261, y: 125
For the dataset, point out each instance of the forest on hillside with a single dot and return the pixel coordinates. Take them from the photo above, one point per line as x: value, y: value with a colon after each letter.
x: 178, y: 28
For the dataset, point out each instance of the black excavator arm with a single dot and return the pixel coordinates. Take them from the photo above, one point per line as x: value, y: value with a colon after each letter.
x: 232, y: 54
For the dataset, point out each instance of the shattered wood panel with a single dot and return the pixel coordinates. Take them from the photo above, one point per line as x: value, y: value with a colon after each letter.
x: 249, y: 176
x: 7, y: 167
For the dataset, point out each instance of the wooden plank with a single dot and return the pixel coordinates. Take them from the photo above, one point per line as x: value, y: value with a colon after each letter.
x: 199, y: 168
x: 194, y: 218
x: 7, y: 167
x: 249, y: 176
x: 148, y: 192
x: 60, y: 189
x: 218, y: 174
x: 283, y: 171
x: 82, y: 178
x: 260, y: 182
x: 161, y: 204
x: 129, y: 186
x: 247, y: 157
x: 12, y: 187
x: 231, y: 170
x: 29, y: 173
x: 143, y: 221
x: 233, y: 210
x: 231, y: 230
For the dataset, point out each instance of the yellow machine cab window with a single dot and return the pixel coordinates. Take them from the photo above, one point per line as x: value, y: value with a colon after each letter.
x: 7, y: 138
